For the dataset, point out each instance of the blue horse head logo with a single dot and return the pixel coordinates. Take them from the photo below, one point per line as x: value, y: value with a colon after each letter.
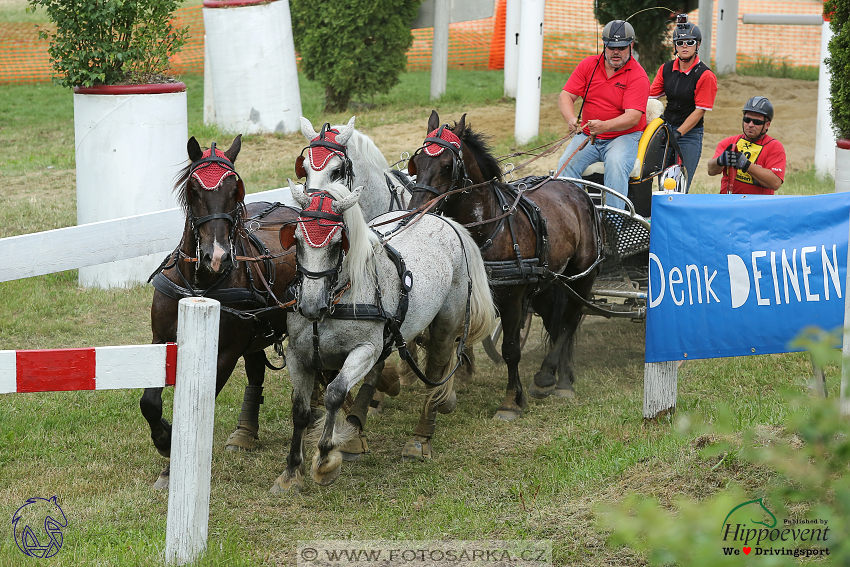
x: 27, y: 522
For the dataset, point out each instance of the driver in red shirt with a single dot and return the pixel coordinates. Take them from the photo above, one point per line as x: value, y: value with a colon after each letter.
x: 751, y: 163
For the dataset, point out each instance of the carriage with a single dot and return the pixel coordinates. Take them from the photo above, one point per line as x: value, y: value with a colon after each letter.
x: 621, y: 287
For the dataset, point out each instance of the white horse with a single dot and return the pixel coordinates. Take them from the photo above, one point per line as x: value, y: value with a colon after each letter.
x: 443, y: 280
x: 345, y: 155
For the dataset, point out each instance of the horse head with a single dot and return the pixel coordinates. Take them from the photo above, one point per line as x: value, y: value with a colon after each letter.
x: 213, y: 198
x: 444, y: 161
x: 321, y: 239
x: 327, y: 160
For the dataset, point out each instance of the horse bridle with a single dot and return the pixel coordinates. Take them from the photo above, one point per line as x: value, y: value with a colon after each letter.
x: 322, y: 142
x: 331, y: 273
x: 234, y: 216
x: 459, y: 174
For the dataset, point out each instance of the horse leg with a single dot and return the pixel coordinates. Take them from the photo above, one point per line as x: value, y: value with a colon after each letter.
x: 440, y: 399
x: 510, y: 307
x: 327, y: 461
x: 570, y: 322
x: 246, y: 434
x: 151, y: 404
x: 560, y: 318
x: 354, y: 448
x: 303, y: 379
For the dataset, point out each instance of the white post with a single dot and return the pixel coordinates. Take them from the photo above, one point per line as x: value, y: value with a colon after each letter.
x: 209, y: 100
x: 512, y: 19
x: 660, y: 380
x: 706, y: 25
x: 726, y: 50
x: 824, y: 138
x: 440, y: 48
x: 192, y: 431
x: 530, y: 75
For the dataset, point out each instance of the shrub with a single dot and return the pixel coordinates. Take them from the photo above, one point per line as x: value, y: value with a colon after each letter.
x: 839, y: 65
x: 110, y: 42
x: 807, y: 478
x: 353, y: 47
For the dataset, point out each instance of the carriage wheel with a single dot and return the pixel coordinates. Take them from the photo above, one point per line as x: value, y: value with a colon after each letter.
x: 490, y: 343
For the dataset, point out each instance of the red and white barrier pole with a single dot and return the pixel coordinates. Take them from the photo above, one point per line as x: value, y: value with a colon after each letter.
x: 192, y: 431
x: 193, y: 366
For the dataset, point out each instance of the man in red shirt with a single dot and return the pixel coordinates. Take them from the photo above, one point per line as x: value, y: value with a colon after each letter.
x: 615, y: 88
x: 752, y: 163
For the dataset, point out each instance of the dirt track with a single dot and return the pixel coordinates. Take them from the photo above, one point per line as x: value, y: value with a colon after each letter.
x: 793, y: 125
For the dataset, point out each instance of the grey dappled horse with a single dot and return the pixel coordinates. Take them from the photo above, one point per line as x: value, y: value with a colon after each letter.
x: 443, y: 282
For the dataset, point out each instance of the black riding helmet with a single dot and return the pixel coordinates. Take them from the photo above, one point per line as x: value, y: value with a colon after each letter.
x: 618, y: 33
x: 760, y: 105
x: 687, y: 31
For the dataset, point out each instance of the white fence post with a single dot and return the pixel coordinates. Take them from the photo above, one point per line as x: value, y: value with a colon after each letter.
x: 660, y: 380
x: 192, y: 431
x: 529, y: 71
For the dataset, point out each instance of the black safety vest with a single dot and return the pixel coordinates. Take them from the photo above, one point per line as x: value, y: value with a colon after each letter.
x: 679, y: 88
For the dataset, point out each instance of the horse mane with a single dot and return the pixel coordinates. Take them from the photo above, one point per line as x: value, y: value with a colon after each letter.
x: 181, y: 180
x: 363, y: 149
x: 361, y: 240
x: 479, y: 144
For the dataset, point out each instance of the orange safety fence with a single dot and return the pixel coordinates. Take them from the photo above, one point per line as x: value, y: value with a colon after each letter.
x: 570, y: 33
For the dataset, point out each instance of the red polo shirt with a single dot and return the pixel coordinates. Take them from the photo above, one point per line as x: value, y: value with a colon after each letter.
x: 608, y: 98
x: 767, y: 152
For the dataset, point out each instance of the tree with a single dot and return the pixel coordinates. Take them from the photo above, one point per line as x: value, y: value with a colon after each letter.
x: 353, y: 47
x: 652, y: 21
x: 838, y: 63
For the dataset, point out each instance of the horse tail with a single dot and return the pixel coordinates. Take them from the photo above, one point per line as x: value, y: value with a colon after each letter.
x: 482, y: 312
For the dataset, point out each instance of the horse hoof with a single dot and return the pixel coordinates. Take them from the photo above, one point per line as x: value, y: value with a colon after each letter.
x: 161, y: 483
x: 389, y: 383
x: 417, y: 449
x: 564, y: 393
x: 449, y: 405
x: 376, y: 405
x: 539, y: 393
x: 326, y: 471
x: 287, y: 483
x: 354, y: 448
x: 242, y: 440
x: 508, y: 414
x: 164, y: 453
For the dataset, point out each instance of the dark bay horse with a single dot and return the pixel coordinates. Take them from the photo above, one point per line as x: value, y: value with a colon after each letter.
x: 533, y: 247
x: 230, y: 252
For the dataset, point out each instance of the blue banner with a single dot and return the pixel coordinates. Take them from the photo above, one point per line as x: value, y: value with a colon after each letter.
x: 734, y: 275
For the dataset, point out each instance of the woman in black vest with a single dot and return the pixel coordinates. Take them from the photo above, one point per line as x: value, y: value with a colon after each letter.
x: 690, y: 88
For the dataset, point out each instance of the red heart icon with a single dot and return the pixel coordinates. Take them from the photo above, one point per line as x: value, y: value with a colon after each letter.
x: 747, y: 550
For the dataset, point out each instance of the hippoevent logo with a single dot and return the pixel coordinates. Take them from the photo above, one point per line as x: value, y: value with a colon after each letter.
x: 750, y: 536
x: 27, y: 524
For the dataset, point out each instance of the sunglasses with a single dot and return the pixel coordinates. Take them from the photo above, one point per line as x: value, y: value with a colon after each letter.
x: 755, y: 121
x: 688, y: 42
x: 625, y: 47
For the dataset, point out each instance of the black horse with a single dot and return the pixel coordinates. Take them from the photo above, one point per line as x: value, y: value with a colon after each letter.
x: 230, y: 252
x: 542, y: 248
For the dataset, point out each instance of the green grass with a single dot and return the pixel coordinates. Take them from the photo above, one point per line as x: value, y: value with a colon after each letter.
x: 540, y: 478
x: 763, y: 66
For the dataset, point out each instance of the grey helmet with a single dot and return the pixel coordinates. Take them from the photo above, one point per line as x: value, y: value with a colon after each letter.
x: 618, y: 33
x: 760, y: 105
x: 687, y: 31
